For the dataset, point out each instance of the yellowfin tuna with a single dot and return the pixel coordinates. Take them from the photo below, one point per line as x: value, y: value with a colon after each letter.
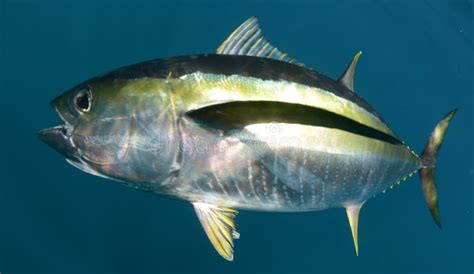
x: 247, y: 128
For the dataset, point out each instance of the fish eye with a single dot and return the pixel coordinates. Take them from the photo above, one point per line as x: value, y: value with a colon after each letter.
x: 82, y: 101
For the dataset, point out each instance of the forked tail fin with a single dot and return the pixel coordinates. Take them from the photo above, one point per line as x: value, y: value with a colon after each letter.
x: 427, y: 172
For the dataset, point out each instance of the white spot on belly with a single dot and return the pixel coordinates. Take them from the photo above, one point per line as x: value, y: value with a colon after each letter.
x: 300, y: 171
x: 264, y: 183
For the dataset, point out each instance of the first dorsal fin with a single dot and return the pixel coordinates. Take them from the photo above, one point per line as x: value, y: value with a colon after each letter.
x: 218, y: 223
x: 249, y: 40
x: 347, y: 78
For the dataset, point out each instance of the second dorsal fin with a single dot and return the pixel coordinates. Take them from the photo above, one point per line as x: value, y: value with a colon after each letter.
x: 347, y: 78
x: 248, y: 40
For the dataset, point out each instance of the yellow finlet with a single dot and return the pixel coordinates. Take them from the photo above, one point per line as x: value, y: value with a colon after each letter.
x: 353, y: 216
x: 218, y: 223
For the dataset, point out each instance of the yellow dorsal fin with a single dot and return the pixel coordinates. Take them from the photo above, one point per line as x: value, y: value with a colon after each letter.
x: 218, y: 223
x: 353, y: 216
x: 347, y: 78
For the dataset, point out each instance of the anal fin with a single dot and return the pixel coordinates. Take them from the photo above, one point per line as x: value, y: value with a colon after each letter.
x: 353, y: 216
x: 218, y: 223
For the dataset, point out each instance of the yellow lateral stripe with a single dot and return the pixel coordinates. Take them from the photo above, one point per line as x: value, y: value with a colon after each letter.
x: 198, y: 90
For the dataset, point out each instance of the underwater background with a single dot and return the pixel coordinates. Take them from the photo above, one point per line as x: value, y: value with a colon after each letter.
x: 417, y: 65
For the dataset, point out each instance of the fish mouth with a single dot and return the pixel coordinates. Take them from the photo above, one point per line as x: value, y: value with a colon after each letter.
x: 59, y: 138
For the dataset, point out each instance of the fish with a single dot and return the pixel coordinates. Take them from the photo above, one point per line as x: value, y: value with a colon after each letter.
x: 245, y: 128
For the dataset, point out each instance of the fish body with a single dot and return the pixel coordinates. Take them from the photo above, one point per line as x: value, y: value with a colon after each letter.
x: 247, y: 128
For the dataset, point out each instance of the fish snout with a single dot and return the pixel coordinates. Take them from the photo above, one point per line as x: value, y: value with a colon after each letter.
x: 59, y: 139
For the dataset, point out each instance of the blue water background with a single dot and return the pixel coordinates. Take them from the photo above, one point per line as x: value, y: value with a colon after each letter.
x: 417, y: 64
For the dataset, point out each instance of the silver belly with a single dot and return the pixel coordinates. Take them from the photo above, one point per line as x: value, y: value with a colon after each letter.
x: 238, y: 173
x: 324, y: 181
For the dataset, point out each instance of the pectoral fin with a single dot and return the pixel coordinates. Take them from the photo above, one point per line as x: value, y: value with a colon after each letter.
x: 218, y: 223
x: 353, y: 216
